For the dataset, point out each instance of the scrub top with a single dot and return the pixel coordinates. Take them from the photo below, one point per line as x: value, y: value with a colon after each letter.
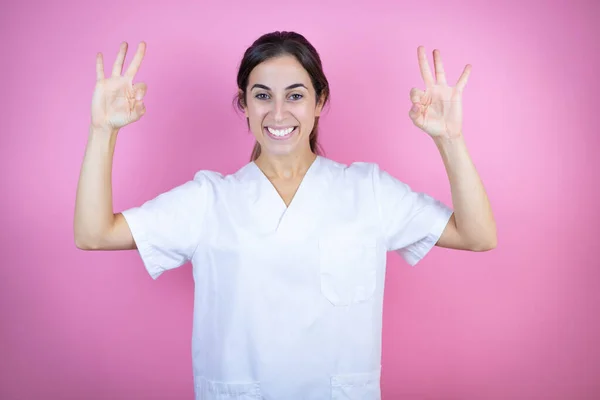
x: 288, y: 301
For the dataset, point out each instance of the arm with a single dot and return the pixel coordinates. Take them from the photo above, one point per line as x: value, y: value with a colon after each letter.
x: 95, y: 225
x: 438, y: 112
x: 472, y: 226
x: 116, y: 102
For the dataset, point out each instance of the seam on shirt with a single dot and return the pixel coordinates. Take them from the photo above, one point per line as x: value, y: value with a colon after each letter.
x: 139, y: 230
x: 381, y: 231
x: 376, y: 172
x: 202, y: 218
x: 424, y: 245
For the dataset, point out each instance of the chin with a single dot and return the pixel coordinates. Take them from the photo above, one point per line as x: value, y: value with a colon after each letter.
x: 277, y: 150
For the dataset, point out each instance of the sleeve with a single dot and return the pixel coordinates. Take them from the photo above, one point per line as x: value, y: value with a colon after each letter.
x: 412, y: 222
x: 167, y: 229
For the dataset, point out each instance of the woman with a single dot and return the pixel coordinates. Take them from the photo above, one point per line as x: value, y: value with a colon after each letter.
x: 289, y: 252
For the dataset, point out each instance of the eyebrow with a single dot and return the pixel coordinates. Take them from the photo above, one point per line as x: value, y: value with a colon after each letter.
x: 295, y: 85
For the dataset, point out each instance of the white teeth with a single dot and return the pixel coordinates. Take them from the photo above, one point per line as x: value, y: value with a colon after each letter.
x: 282, y: 132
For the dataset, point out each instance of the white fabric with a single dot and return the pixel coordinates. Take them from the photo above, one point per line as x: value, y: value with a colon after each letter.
x: 288, y: 301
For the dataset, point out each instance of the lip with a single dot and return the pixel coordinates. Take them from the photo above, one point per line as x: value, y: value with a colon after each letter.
x: 273, y: 137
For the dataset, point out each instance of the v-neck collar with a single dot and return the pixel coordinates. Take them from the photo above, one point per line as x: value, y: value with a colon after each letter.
x: 267, y: 204
x: 268, y: 186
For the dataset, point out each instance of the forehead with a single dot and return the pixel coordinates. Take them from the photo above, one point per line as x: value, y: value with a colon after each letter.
x: 278, y: 73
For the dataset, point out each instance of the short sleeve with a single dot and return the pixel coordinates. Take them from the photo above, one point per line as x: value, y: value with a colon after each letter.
x: 167, y: 229
x: 412, y: 222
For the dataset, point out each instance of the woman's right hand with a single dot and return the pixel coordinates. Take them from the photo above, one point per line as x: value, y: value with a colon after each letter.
x: 116, y: 102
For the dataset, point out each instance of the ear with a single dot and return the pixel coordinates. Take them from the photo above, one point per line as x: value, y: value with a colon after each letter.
x: 241, y: 97
x: 320, y: 105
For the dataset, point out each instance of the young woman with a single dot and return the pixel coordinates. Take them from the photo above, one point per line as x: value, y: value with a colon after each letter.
x: 289, y: 252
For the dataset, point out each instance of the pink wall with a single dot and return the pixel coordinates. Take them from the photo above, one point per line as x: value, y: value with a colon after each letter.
x: 520, y: 322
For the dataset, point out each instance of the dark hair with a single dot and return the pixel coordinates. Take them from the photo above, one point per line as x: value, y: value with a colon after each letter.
x: 277, y: 44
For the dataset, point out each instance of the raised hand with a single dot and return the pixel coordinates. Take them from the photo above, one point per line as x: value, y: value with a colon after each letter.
x: 438, y: 109
x: 117, y: 102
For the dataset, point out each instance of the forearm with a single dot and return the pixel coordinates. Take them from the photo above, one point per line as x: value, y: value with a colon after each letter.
x: 93, y: 205
x: 472, y: 210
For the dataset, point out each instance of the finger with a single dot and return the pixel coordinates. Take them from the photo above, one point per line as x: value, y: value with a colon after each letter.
x: 440, y: 75
x: 415, y: 114
x: 140, y: 90
x: 137, y: 60
x: 416, y: 95
x: 118, y: 65
x: 424, y: 67
x: 139, y: 110
x: 462, y: 81
x: 99, y: 67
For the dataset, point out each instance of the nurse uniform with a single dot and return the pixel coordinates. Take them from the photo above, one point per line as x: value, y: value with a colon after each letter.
x: 288, y: 300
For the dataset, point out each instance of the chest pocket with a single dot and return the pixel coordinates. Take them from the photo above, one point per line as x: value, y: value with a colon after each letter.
x: 348, y: 269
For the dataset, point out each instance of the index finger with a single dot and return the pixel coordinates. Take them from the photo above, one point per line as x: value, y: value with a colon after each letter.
x: 424, y: 67
x: 137, y: 61
x: 99, y: 67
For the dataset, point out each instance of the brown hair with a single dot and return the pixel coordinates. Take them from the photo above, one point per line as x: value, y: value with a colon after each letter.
x: 277, y: 44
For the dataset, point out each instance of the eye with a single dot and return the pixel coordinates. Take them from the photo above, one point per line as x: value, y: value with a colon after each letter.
x: 264, y: 96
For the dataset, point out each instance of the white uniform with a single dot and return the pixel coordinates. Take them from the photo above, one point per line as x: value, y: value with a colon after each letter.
x: 288, y: 301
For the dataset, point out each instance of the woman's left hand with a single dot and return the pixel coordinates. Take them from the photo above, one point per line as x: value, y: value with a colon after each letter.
x: 438, y: 109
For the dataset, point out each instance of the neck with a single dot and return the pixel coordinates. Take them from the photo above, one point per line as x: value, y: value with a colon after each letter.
x: 286, y: 167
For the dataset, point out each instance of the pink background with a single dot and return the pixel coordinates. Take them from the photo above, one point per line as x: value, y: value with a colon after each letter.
x: 520, y: 322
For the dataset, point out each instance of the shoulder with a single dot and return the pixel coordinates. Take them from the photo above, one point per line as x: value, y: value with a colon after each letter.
x: 370, y: 177
x: 357, y: 171
x: 214, y: 183
x: 208, y: 177
x: 216, y: 179
x: 202, y: 182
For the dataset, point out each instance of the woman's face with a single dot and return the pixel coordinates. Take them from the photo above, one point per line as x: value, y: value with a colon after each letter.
x: 281, y: 106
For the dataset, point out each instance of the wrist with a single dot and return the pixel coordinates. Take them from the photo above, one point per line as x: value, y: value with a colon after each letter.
x: 102, y: 130
x: 102, y: 137
x: 451, y: 148
x: 445, y: 141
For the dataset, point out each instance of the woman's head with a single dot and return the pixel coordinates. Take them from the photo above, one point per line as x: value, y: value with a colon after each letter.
x: 282, y: 85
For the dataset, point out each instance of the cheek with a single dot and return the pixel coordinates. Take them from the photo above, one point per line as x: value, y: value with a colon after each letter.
x: 306, y: 116
x: 257, y: 113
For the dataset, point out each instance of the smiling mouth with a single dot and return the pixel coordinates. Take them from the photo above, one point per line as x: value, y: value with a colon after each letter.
x: 280, y: 133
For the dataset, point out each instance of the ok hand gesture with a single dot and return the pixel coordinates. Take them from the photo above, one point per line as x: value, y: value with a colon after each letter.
x: 117, y: 102
x: 437, y: 110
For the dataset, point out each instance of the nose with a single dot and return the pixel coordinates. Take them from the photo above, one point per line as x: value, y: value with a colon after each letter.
x: 279, y: 110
